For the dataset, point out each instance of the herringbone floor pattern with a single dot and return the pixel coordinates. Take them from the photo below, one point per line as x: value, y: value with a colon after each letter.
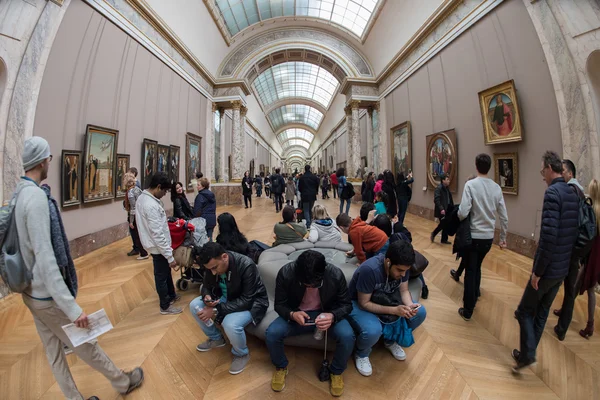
x: 451, y: 359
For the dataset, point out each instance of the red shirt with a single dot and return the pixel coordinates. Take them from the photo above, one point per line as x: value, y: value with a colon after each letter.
x: 334, y: 180
x: 311, y: 300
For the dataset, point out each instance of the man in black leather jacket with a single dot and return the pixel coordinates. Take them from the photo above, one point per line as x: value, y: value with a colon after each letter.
x: 233, y: 296
x: 309, y: 289
x: 309, y: 187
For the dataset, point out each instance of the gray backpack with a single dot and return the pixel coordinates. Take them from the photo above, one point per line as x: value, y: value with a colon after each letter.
x: 13, y: 270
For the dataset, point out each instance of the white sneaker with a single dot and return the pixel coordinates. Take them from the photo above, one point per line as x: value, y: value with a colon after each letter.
x: 363, y: 365
x: 143, y: 257
x: 396, y: 351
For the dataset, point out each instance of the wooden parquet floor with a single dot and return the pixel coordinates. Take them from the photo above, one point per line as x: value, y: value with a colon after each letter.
x: 451, y: 359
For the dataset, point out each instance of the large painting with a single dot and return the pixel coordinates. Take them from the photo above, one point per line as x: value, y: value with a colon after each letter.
x: 122, y: 167
x: 401, y: 147
x: 442, y: 158
x: 174, y: 157
x: 193, y: 149
x: 71, y: 178
x: 162, y: 163
x: 149, y: 161
x: 500, y: 114
x: 99, y: 163
x: 506, y: 168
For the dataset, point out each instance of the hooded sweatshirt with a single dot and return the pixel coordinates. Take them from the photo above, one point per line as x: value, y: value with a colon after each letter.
x: 205, y: 206
x: 324, y: 230
x: 365, y: 238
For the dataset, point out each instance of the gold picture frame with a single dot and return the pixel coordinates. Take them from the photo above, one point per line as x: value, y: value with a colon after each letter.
x: 99, y: 164
x: 442, y: 158
x: 401, y: 148
x: 500, y: 114
x: 506, y: 172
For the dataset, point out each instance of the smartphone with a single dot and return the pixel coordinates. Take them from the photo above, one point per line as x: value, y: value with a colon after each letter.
x: 416, y: 306
x: 309, y: 322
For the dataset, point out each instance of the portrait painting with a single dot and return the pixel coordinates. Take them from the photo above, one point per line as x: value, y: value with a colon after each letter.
x: 193, y: 149
x: 506, y: 170
x: 400, y: 139
x: 162, y: 160
x: 122, y: 167
x: 149, y: 161
x: 99, y: 164
x: 174, y: 157
x: 442, y: 159
x: 70, y: 178
x: 500, y: 114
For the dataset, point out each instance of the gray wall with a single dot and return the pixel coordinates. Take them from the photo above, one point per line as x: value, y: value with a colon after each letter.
x: 443, y: 95
x: 96, y: 74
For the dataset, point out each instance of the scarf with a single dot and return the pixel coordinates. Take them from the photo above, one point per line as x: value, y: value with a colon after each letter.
x: 60, y: 244
x: 398, y: 332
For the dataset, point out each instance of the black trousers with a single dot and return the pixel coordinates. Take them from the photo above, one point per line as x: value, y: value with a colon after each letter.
x: 571, y: 292
x: 163, y: 281
x: 335, y: 191
x: 248, y: 198
x: 134, y: 245
x: 532, y: 314
x: 137, y: 243
x: 441, y: 228
x: 473, y: 258
x: 278, y: 201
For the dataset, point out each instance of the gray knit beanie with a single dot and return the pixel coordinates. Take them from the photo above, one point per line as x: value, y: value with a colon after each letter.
x: 35, y: 151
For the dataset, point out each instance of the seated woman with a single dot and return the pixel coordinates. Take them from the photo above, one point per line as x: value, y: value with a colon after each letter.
x: 288, y: 231
x: 181, y: 205
x: 230, y: 236
x: 323, y: 228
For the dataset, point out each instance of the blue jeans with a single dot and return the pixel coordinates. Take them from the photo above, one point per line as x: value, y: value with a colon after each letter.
x: 370, y: 327
x: 307, y: 208
x: 280, y: 329
x: 342, y: 202
x: 209, y: 233
x: 233, y: 325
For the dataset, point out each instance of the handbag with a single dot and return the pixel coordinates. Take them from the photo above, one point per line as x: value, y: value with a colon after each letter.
x: 421, y: 263
x: 183, y: 256
x: 295, y: 231
x: 389, y: 297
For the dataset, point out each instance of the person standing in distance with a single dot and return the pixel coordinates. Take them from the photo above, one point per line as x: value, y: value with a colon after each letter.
x: 443, y: 201
x: 308, y: 186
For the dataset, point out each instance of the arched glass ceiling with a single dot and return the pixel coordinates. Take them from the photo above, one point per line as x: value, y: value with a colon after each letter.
x: 295, y: 142
x: 295, y: 133
x: 353, y: 15
x: 296, y: 79
x: 295, y: 114
x: 296, y: 154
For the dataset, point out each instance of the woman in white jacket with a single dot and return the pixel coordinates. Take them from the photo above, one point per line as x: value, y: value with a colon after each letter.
x: 323, y: 228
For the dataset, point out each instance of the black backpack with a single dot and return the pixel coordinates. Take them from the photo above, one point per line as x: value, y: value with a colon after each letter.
x: 587, y: 228
x: 275, y: 184
x: 348, y: 191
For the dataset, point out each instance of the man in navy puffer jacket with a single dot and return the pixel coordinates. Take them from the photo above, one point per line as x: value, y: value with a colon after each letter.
x: 558, y: 233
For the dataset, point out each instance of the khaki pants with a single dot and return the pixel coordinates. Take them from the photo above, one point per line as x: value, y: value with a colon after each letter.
x: 49, y: 320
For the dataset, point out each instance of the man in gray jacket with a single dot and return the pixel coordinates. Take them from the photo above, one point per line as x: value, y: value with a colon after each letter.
x: 48, y: 298
x: 156, y: 239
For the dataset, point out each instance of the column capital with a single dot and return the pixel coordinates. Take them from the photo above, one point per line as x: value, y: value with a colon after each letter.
x: 354, y: 104
x: 215, y: 107
x: 236, y: 104
x: 243, y: 111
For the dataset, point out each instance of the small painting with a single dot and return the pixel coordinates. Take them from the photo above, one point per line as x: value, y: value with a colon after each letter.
x: 500, y: 114
x: 193, y: 149
x: 174, y: 163
x: 99, y: 164
x: 122, y: 167
x: 400, y: 138
x: 442, y: 158
x: 162, y: 164
x: 71, y: 178
x: 507, y: 172
x: 149, y: 161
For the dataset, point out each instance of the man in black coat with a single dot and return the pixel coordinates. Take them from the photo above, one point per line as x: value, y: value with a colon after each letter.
x: 233, y: 295
x: 442, y: 198
x: 558, y: 233
x: 311, y: 289
x: 308, y: 187
x: 277, y: 188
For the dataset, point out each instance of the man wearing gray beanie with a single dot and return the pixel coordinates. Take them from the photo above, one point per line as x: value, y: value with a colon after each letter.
x: 49, y: 298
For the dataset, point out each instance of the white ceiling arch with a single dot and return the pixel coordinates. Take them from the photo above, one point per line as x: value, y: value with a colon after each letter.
x: 295, y: 150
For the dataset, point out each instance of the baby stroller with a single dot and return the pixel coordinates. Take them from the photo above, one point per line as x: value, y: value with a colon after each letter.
x: 186, y: 238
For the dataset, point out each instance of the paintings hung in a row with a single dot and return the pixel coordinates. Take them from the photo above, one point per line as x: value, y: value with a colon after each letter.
x: 159, y: 158
x: 500, y: 114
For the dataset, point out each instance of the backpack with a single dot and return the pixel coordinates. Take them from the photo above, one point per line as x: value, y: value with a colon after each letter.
x: 275, y: 184
x: 587, y: 228
x: 13, y: 270
x: 348, y: 191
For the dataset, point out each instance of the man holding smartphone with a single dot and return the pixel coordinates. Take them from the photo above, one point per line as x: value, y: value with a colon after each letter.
x: 311, y: 294
x: 233, y: 295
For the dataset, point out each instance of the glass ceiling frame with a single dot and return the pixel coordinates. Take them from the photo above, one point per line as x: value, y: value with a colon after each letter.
x: 295, y: 114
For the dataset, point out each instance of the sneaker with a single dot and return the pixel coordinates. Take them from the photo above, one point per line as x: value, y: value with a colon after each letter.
x: 211, y: 344
x: 397, y: 351
x: 143, y: 257
x: 363, y: 365
x: 278, y: 380
x: 238, y: 364
x: 454, y: 275
x: 133, y: 253
x: 425, y: 292
x: 171, y: 311
x: 463, y: 313
x: 136, y: 377
x: 175, y: 299
x: 67, y: 350
x: 336, y: 385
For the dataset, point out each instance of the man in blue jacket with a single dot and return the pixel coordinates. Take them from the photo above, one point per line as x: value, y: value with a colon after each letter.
x: 205, y: 206
x: 558, y: 233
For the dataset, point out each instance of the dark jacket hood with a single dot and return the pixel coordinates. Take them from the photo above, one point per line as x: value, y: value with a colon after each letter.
x: 208, y: 195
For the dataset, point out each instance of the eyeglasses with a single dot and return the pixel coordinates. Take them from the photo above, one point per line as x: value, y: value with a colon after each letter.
x: 542, y: 171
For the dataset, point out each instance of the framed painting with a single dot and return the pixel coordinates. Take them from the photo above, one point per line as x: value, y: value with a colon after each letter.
x: 193, y: 149
x: 330, y: 161
x: 506, y: 167
x: 500, y: 114
x: 122, y: 167
x: 162, y: 161
x: 401, y: 147
x: 442, y: 158
x: 99, y: 164
x: 174, y: 163
x: 70, y: 178
x: 149, y: 161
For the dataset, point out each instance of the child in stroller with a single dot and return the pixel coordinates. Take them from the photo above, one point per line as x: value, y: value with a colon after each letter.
x: 187, y: 238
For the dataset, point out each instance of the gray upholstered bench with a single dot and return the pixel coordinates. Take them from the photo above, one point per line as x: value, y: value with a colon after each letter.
x: 272, y: 260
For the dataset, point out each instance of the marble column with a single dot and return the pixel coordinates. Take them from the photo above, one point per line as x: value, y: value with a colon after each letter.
x: 223, y: 170
x: 379, y: 152
x: 349, y: 150
x: 211, y: 110
x: 238, y: 151
x: 335, y: 155
x: 370, y: 140
x: 354, y: 139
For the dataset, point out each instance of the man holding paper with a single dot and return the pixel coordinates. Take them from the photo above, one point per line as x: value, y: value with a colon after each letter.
x: 51, y: 296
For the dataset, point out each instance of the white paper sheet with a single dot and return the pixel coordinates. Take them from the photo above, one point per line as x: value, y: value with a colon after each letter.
x: 98, y: 324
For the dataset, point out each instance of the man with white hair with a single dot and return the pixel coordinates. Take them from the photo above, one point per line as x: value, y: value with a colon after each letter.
x: 51, y: 295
